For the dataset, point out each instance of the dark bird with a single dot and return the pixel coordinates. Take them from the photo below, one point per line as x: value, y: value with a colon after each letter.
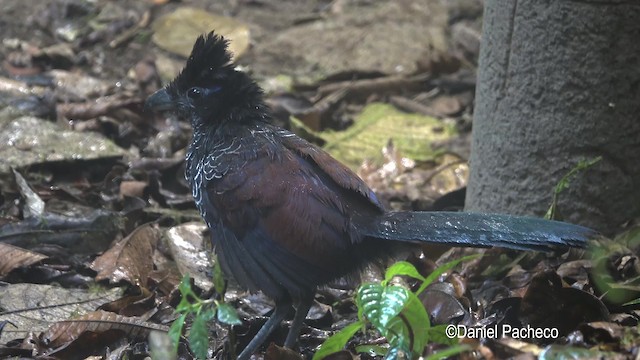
x: 286, y: 217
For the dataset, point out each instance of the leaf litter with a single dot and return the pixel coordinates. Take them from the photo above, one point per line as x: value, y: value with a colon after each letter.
x: 94, y: 209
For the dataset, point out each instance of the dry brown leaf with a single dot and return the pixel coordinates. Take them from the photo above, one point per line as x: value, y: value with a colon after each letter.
x: 548, y: 303
x: 165, y: 281
x: 13, y: 257
x: 446, y: 105
x: 132, y: 304
x: 34, y: 308
x: 95, y: 107
x: 133, y: 188
x: 67, y: 331
x: 129, y: 259
x: 281, y: 353
x: 603, y: 331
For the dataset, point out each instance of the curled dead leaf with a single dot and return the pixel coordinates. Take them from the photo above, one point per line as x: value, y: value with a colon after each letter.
x: 129, y: 259
x: 13, y: 257
x: 66, y: 331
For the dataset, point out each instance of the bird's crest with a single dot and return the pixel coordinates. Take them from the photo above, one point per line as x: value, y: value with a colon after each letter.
x: 208, y: 57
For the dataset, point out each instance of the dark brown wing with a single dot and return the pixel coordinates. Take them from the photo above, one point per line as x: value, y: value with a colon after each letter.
x: 341, y: 175
x: 285, y: 216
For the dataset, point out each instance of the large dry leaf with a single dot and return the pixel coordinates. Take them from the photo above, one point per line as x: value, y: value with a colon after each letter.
x: 412, y: 134
x: 13, y: 257
x: 85, y: 232
x: 29, y: 140
x: 66, y: 331
x: 80, y: 84
x: 176, y: 31
x: 187, y: 249
x: 136, y: 302
x: 33, y: 308
x: 130, y: 259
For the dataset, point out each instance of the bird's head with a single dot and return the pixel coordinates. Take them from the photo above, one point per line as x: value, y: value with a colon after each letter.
x: 209, y: 91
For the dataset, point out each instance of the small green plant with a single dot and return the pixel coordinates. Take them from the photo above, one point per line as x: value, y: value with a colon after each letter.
x: 613, y: 272
x: 563, y: 184
x: 202, y: 311
x: 398, y: 315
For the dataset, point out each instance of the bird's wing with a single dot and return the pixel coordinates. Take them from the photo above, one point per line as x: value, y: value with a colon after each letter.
x: 335, y: 170
x: 286, y: 218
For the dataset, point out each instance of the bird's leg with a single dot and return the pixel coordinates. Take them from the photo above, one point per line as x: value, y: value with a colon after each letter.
x: 281, y: 310
x: 302, y: 308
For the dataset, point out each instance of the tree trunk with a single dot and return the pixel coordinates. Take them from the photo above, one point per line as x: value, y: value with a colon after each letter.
x: 558, y: 82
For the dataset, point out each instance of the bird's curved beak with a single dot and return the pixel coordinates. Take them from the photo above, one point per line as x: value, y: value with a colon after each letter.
x: 159, y: 101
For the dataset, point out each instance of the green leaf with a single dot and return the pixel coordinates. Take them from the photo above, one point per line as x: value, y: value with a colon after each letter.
x: 337, y: 341
x: 438, y: 335
x: 185, y: 286
x: 372, y: 350
x: 218, y: 278
x: 442, y: 269
x: 409, y: 331
x: 381, y: 304
x: 175, y: 331
x: 199, y: 337
x: 187, y: 296
x: 401, y: 268
x: 208, y: 314
x: 184, y: 306
x: 418, y: 321
x: 398, y: 334
x: 632, y: 302
x: 399, y: 315
x: 584, y: 164
x: 563, y: 184
x: 228, y: 315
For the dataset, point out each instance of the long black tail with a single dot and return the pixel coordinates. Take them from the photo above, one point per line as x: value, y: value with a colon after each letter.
x: 478, y: 230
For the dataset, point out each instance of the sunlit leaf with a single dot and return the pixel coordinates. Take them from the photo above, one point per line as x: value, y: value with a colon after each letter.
x: 372, y: 350
x: 409, y: 331
x: 402, y: 268
x: 228, y: 315
x: 412, y: 134
x: 128, y: 259
x: 381, y: 304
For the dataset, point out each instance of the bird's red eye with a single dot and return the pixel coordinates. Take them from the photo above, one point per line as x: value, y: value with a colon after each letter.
x: 194, y: 93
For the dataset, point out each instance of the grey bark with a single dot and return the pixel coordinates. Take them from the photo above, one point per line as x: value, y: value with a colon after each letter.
x: 559, y: 81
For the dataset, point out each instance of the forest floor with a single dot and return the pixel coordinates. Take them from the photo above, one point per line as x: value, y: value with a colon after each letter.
x: 98, y: 227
